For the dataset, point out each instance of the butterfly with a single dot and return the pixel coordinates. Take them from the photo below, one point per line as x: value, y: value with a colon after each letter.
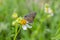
x: 30, y: 17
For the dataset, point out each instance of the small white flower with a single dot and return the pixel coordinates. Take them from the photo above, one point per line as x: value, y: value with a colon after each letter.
x: 48, y: 10
x: 23, y: 22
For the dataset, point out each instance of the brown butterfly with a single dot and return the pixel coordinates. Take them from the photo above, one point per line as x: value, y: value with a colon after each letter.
x: 30, y: 17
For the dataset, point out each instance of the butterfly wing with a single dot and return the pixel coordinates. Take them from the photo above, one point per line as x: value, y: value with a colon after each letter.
x: 30, y: 17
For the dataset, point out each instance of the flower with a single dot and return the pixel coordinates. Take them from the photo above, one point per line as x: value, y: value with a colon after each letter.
x: 23, y: 22
x: 48, y: 10
x: 14, y: 15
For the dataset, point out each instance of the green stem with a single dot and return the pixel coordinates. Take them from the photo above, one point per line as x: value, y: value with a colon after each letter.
x: 16, y: 28
x: 16, y: 32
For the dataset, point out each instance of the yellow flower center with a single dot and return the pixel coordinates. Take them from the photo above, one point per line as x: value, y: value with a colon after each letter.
x: 23, y: 22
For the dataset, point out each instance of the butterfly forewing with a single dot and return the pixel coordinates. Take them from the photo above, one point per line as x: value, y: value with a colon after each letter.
x: 30, y: 17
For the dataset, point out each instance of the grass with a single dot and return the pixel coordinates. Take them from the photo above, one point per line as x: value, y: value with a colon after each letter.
x: 43, y: 28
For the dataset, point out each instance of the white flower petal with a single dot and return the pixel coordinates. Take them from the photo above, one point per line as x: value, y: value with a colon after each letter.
x: 49, y: 10
x: 28, y: 26
x: 24, y: 27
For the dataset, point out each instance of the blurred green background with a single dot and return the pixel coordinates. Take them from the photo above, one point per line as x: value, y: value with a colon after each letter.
x: 42, y: 28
